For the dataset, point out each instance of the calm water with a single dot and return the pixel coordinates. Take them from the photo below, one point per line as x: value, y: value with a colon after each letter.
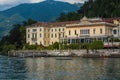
x: 52, y: 69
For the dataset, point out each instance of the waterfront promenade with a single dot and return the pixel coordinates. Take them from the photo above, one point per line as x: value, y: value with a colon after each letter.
x: 73, y: 53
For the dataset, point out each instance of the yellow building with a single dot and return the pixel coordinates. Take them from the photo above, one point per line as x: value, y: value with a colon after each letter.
x: 89, y: 29
x: 116, y: 30
x: 84, y: 30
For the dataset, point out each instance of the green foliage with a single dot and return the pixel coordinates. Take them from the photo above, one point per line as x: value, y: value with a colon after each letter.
x: 6, y: 48
x: 16, y: 37
x: 6, y: 23
x: 50, y: 47
x: 85, y: 46
x: 101, y: 8
x: 73, y: 46
x: 56, y: 45
x: 32, y: 47
x: 94, y: 8
x: 116, y: 40
x: 97, y: 45
x: 69, y: 17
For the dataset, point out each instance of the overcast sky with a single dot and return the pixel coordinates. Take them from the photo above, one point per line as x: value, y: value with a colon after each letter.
x: 5, y: 4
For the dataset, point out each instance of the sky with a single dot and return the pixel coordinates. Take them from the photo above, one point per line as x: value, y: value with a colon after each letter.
x: 5, y: 4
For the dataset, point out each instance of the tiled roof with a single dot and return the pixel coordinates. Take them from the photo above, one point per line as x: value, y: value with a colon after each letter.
x: 110, y: 20
x: 62, y: 24
x: 53, y: 24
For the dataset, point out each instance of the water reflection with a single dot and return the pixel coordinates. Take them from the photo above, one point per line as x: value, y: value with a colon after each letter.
x: 52, y: 69
x: 12, y: 68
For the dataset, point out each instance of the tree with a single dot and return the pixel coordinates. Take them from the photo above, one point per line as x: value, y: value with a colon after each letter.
x: 94, y: 8
x: 86, y: 46
x: 6, y: 48
x: 16, y: 37
x: 97, y: 44
x: 56, y: 45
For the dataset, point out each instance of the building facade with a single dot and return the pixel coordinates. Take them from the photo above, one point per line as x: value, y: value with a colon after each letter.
x: 85, y: 30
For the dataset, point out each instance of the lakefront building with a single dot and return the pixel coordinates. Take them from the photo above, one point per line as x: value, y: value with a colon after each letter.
x: 85, y: 30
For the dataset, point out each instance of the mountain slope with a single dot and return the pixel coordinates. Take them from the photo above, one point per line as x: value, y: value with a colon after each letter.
x: 95, y: 8
x: 43, y: 11
x: 7, y: 23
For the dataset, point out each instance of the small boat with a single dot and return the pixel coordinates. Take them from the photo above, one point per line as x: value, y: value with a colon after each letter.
x: 63, y: 58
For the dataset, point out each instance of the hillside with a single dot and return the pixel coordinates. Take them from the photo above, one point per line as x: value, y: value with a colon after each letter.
x: 6, y: 23
x: 95, y: 8
x: 44, y: 11
x: 101, y: 8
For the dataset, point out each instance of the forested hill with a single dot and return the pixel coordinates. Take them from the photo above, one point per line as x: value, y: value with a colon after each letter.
x: 47, y: 10
x: 95, y: 8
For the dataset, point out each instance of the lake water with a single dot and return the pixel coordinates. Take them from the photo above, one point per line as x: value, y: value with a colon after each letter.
x: 52, y: 69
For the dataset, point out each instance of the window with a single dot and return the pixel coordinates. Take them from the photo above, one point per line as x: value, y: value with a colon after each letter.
x: 34, y: 30
x: 59, y: 35
x: 40, y: 29
x: 59, y: 30
x: 34, y: 35
x: 69, y: 32
x: 100, y: 31
x: 94, y: 31
x: 55, y: 35
x: 51, y: 35
x: 75, y: 32
x: 55, y: 29
x: 84, y: 31
x: 63, y: 35
x: 52, y: 30
x: 40, y: 35
x: 63, y: 29
x: 28, y: 35
x: 114, y: 31
x: 28, y: 30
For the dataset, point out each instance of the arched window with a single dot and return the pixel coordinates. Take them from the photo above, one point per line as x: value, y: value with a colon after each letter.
x: 94, y: 31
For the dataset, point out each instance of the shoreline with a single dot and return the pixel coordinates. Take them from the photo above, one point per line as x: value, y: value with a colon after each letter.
x: 65, y: 53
